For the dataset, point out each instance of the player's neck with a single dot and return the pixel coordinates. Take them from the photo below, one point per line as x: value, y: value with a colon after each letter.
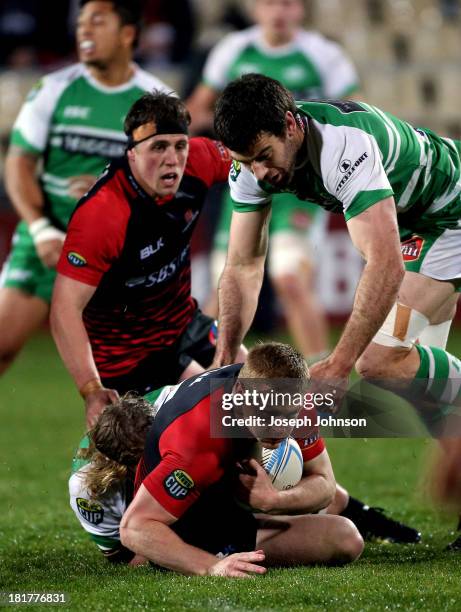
x: 114, y: 74
x: 274, y: 39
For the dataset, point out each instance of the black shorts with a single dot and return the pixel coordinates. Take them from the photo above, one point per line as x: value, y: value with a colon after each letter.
x: 164, y: 367
x: 217, y: 524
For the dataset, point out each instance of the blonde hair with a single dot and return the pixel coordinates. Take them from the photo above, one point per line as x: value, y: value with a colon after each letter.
x: 101, y: 474
x: 274, y: 360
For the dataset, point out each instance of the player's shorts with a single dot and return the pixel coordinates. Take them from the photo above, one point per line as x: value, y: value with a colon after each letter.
x: 164, y: 367
x: 435, y: 253
x: 217, y: 524
x: 288, y: 214
x: 24, y: 270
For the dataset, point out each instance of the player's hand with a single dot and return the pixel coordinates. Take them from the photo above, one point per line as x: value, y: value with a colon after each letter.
x: 239, y: 565
x: 256, y: 489
x: 95, y: 403
x: 326, y: 377
x: 80, y: 185
x: 49, y: 251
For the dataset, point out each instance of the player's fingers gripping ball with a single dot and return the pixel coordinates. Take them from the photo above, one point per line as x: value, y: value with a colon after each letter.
x: 268, y: 471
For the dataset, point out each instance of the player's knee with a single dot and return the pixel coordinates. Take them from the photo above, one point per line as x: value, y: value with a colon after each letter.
x: 368, y: 365
x: 349, y: 543
x: 288, y: 287
x: 376, y: 362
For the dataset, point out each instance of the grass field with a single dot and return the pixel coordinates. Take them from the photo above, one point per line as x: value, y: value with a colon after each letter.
x: 43, y: 549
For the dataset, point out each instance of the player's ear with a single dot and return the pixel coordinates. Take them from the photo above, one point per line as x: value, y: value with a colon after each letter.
x: 128, y: 33
x: 290, y: 123
x: 130, y: 154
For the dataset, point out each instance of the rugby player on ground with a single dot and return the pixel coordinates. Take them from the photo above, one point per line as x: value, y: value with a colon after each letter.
x: 184, y: 514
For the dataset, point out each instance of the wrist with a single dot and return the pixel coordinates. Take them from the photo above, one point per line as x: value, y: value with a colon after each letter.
x: 42, y: 230
x: 38, y: 225
x: 90, y: 386
x: 341, y: 365
x: 272, y: 502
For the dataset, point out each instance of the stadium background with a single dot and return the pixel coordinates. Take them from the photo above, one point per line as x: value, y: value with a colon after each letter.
x: 407, y: 53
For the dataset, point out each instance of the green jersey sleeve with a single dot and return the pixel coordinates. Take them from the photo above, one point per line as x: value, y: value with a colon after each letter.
x: 32, y: 125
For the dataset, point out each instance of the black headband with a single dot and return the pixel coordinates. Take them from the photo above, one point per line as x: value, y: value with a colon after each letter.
x: 163, y: 127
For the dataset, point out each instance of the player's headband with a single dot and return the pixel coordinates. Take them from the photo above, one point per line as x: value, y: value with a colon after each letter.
x: 167, y: 126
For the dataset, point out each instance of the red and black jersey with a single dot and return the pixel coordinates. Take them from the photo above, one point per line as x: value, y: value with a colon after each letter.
x: 136, y: 251
x: 181, y: 460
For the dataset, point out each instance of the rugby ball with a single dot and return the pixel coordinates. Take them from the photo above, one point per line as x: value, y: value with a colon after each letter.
x: 283, y: 464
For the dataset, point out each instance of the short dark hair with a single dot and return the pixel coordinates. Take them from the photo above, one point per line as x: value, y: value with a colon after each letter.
x: 120, y: 432
x: 249, y: 106
x: 129, y: 11
x: 156, y: 106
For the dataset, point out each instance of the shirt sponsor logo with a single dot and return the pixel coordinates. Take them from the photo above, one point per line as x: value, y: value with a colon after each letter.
x: 235, y: 170
x: 150, y: 249
x: 348, y: 169
x: 411, y: 249
x: 178, y: 484
x: 160, y: 276
x: 91, y: 511
x: 345, y: 165
x: 76, y: 259
x: 77, y: 112
x: 88, y: 145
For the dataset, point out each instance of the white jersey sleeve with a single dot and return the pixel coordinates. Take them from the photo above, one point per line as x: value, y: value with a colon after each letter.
x: 31, y: 128
x: 351, y: 167
x: 246, y: 193
x: 99, y: 518
x: 339, y: 76
x: 223, y: 55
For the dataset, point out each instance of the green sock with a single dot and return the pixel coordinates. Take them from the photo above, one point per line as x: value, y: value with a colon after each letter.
x: 442, y: 371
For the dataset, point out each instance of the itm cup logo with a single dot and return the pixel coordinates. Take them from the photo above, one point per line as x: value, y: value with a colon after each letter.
x: 178, y: 484
x: 91, y: 511
x: 75, y: 259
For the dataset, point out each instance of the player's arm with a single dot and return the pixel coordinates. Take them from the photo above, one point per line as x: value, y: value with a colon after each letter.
x: 69, y: 300
x: 315, y: 490
x: 241, y: 281
x: 375, y: 234
x: 145, y: 529
x: 25, y: 193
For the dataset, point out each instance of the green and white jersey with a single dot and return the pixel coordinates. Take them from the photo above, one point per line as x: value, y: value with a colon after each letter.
x: 310, y: 66
x: 357, y: 155
x: 76, y: 124
x: 101, y: 517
